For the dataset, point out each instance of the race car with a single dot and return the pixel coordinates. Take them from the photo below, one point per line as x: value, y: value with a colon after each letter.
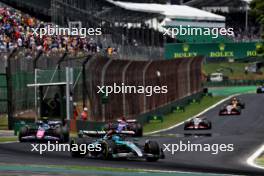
x: 260, y: 89
x: 126, y: 125
x: 237, y: 103
x: 114, y: 145
x: 198, y: 124
x: 44, y: 131
x: 230, y: 110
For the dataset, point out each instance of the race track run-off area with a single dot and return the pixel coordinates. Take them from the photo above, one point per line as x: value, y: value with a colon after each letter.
x: 245, y: 132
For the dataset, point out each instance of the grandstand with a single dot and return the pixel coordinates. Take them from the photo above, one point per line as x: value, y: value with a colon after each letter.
x: 135, y: 27
x: 237, y: 16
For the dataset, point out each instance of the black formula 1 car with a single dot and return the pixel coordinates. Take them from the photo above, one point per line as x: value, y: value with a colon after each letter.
x: 128, y: 125
x: 114, y: 146
x: 260, y: 89
x: 198, y: 124
x: 230, y: 110
x: 44, y: 131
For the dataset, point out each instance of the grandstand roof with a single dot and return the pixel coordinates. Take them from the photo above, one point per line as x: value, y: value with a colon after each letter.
x: 217, y: 3
x: 170, y: 11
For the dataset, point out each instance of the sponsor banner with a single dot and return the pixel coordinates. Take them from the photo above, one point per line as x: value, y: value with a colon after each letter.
x: 213, y: 50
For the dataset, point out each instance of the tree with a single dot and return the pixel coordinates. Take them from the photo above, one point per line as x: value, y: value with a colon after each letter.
x: 257, y: 10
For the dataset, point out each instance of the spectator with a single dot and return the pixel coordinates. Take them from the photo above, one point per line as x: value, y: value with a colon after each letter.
x: 16, y: 31
x: 75, y: 111
x: 84, y: 115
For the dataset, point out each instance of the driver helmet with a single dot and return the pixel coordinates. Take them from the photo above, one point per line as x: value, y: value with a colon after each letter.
x: 123, y: 118
x: 45, y: 120
x: 116, y: 138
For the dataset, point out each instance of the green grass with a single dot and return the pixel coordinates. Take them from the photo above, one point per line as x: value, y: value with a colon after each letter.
x: 238, y: 70
x: 80, y: 168
x: 3, y: 122
x: 177, y: 117
x: 104, y: 169
x: 227, y: 91
x: 8, y: 139
x: 260, y: 161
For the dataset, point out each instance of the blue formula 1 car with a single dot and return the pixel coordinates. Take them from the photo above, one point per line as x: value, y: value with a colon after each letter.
x: 113, y: 145
x: 260, y: 89
x: 44, y: 130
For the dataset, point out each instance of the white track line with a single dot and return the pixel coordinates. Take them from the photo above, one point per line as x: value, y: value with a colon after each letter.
x: 199, y: 114
x: 8, y: 142
x: 252, y: 158
x: 185, y: 172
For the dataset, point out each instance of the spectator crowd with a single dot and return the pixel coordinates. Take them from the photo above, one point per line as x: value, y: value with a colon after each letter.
x: 16, y: 32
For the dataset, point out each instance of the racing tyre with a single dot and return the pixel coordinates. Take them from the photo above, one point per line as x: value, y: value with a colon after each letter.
x: 108, y: 149
x: 186, y: 124
x: 22, y: 132
x: 209, y: 125
x: 59, y: 133
x: 138, y: 130
x: 66, y: 134
x: 242, y: 105
x: 75, y: 148
x: 152, y: 147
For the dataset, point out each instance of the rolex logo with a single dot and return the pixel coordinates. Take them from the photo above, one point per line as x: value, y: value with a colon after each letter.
x: 258, y: 46
x: 221, y: 46
x: 185, y: 47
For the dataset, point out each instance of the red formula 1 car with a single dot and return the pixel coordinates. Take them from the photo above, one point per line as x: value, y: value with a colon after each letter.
x: 198, y: 124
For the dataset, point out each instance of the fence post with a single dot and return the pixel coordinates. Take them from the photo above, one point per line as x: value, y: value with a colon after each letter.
x: 123, y: 81
x: 102, y: 84
x: 35, y: 61
x: 144, y: 83
x: 10, y: 106
x: 84, y: 88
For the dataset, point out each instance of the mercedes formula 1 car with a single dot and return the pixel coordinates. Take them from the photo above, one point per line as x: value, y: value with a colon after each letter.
x: 127, y: 125
x: 44, y: 131
x: 198, y: 124
x: 260, y: 89
x: 230, y: 110
x: 114, y: 145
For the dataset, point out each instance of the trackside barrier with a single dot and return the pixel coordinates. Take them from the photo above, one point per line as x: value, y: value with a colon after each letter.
x: 156, y: 116
x: 182, y: 77
x: 233, y: 83
x: 153, y: 116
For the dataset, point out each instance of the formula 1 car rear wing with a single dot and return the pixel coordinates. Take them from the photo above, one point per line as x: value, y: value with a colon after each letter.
x: 128, y: 121
x: 103, y: 133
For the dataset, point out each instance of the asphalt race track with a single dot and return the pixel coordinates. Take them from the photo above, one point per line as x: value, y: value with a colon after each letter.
x: 246, y: 132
